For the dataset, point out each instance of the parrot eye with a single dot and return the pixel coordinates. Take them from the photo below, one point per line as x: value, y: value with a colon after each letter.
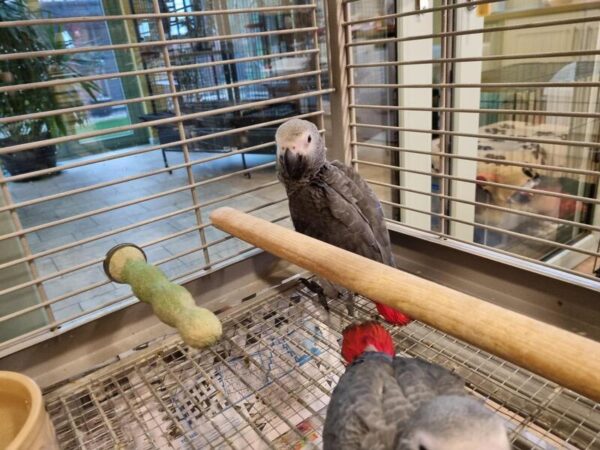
x: 309, y: 139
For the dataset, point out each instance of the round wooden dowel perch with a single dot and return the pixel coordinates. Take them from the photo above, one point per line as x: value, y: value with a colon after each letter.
x: 563, y: 357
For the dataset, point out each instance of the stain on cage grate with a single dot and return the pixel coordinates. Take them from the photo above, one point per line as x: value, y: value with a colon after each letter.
x: 268, y: 381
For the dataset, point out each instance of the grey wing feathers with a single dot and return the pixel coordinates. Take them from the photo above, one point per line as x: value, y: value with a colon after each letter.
x: 370, y: 208
x: 327, y: 210
x: 356, y: 416
x: 374, y: 401
x: 421, y: 381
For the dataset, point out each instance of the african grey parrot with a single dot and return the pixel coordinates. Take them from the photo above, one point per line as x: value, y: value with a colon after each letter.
x: 331, y: 202
x: 387, y: 402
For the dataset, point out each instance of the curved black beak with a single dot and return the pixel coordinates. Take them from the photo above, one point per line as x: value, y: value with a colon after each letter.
x: 292, y: 163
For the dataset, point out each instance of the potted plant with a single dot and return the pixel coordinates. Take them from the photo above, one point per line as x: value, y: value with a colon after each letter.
x: 32, y: 70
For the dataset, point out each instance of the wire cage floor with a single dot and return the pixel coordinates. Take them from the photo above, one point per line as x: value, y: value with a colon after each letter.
x: 267, y: 384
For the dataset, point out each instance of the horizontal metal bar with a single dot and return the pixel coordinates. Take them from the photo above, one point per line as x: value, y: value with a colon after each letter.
x: 93, y: 286
x: 493, y: 228
x: 92, y: 187
x: 143, y: 245
x: 443, y: 237
x: 515, y: 85
x: 107, y: 305
x: 170, y: 120
x: 14, y: 206
x: 155, y: 70
x: 99, y: 260
x: 96, y: 237
x: 528, y: 112
x: 164, y: 15
x: 481, y: 182
x: 251, y: 247
x: 132, y: 202
x: 417, y: 11
x: 570, y: 54
x: 144, y: 150
x: 503, y: 162
x: 488, y: 206
x: 216, y: 241
x: 128, y: 101
x: 528, y: 25
x: 247, y: 418
x: 132, y: 226
x: 259, y: 395
x: 150, y: 44
x: 496, y: 137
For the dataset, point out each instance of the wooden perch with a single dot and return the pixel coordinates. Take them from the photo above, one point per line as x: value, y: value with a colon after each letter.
x: 556, y: 354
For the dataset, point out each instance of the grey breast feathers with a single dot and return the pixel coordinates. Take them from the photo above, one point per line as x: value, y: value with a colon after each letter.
x: 333, y: 209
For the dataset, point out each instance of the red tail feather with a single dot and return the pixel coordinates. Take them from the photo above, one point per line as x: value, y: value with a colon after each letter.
x: 357, y: 337
x: 392, y: 315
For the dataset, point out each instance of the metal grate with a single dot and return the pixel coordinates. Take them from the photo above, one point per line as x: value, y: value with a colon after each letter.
x: 190, y: 94
x: 477, y: 123
x: 267, y: 385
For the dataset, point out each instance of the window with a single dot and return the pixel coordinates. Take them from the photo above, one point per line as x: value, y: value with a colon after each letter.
x: 479, y: 124
x: 129, y: 121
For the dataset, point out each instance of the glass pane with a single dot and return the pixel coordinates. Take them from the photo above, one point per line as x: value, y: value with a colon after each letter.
x: 115, y: 168
x: 521, y: 189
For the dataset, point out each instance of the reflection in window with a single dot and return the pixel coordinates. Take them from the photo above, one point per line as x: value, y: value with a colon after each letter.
x: 529, y: 198
x: 105, y: 182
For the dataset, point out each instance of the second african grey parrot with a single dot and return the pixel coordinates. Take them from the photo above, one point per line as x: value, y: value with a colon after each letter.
x: 388, y: 402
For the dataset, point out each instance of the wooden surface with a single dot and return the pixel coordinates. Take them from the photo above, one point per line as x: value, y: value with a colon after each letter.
x: 563, y: 357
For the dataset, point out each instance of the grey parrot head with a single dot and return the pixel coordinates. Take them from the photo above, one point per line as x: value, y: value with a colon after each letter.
x: 300, y: 150
x: 453, y: 422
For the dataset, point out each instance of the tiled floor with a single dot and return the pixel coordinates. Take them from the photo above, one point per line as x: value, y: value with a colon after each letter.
x: 89, y: 254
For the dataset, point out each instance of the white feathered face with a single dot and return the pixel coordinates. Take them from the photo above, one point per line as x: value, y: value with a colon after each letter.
x: 455, y: 423
x: 300, y: 150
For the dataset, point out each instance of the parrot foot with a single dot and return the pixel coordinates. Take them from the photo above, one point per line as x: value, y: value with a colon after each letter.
x: 349, y: 301
x: 314, y: 287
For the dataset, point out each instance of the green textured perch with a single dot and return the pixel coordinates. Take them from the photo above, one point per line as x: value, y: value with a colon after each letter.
x: 172, y: 304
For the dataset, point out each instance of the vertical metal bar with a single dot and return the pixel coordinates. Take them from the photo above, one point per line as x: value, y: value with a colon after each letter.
x: 133, y: 412
x: 409, y: 122
x: 164, y: 406
x: 14, y: 216
x: 292, y: 394
x: 444, y: 140
x: 240, y: 411
x: 105, y: 418
x: 467, y: 46
x: 258, y: 395
x: 586, y: 153
x: 195, y: 402
x: 320, y: 118
x: 339, y: 148
x: 181, y: 129
x: 350, y: 113
x: 74, y: 427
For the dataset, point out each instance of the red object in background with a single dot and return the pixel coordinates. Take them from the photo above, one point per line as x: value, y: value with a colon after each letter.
x: 357, y: 337
x: 567, y: 206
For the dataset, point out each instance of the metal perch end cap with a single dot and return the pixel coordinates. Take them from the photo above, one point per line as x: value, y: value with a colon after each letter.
x: 116, y: 258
